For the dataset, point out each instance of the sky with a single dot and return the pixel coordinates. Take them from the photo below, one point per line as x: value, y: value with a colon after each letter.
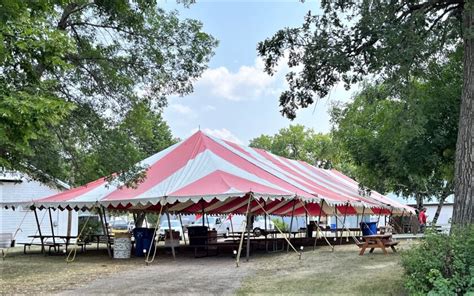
x: 234, y: 99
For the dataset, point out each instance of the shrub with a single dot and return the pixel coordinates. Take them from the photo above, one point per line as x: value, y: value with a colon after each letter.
x: 441, y: 264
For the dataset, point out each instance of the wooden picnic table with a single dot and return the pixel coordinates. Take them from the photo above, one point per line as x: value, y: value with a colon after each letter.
x: 374, y: 241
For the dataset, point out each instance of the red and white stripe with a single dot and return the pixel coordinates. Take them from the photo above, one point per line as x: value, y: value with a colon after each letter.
x: 203, y: 173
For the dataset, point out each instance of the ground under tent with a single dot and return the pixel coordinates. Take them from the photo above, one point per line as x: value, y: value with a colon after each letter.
x: 203, y: 174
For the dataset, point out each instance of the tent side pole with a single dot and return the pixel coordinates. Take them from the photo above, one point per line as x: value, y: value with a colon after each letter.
x: 266, y: 230
x: 361, y: 220
x: 105, y: 229
x: 243, y: 233
x: 291, y: 224
x: 203, y: 214
x: 335, y: 211
x: 182, y: 228
x: 52, y: 229
x: 319, y: 222
x: 39, y: 229
x: 171, y: 234
x: 343, y: 224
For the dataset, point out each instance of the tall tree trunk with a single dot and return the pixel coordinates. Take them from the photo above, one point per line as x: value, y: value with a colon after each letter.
x: 442, y: 199
x: 419, y: 202
x: 464, y: 166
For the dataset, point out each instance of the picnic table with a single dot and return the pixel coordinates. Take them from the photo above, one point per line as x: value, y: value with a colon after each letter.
x: 66, y: 240
x: 374, y: 241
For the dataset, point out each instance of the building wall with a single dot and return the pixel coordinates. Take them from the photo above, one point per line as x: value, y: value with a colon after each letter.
x: 444, y: 216
x: 26, y: 190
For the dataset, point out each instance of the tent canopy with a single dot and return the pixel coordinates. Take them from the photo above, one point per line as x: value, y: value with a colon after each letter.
x: 203, y: 173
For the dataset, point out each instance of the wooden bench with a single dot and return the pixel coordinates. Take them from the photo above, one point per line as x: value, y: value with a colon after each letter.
x: 45, y: 244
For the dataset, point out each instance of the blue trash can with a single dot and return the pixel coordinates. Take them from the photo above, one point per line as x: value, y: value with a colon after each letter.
x: 333, y: 227
x: 143, y: 240
x: 368, y: 228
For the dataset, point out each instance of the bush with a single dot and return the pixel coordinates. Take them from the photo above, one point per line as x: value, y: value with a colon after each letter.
x: 441, y: 264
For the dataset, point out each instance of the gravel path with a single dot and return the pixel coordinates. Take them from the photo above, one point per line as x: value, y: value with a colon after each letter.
x: 203, y: 276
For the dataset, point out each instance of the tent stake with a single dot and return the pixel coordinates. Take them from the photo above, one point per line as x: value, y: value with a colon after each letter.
x: 291, y: 224
x: 243, y: 233
x: 39, y: 229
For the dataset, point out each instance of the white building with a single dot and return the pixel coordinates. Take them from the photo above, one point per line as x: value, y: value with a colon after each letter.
x: 431, y: 206
x: 18, y: 187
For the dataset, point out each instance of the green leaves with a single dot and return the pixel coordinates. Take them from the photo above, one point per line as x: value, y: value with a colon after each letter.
x: 82, y: 83
x: 402, y: 138
x: 351, y: 39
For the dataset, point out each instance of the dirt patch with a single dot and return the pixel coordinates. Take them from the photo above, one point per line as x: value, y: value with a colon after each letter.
x: 185, y: 276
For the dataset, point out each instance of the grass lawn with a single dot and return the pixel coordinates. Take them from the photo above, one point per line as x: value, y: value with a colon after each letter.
x: 319, y: 272
x: 323, y: 272
x: 36, y: 273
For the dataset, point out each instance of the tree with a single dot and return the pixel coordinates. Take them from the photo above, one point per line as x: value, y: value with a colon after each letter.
x: 80, y: 77
x: 403, y: 139
x: 299, y: 142
x: 392, y: 40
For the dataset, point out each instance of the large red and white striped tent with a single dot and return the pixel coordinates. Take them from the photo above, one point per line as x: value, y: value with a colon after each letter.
x: 207, y: 174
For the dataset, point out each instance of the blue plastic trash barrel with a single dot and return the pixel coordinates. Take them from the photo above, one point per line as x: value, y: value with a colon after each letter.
x: 143, y: 240
x: 333, y: 227
x: 368, y: 228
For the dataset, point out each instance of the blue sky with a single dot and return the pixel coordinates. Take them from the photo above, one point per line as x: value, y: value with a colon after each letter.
x: 234, y: 99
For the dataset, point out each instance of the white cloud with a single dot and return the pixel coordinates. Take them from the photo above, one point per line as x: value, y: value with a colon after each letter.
x: 222, y: 133
x: 181, y: 109
x: 249, y: 82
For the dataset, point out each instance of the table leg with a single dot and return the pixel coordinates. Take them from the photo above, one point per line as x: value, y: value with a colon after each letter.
x: 364, y: 246
x: 382, y: 246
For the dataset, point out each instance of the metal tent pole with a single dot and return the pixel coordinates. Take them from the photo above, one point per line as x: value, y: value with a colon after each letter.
x: 362, y: 219
x: 182, y: 228
x: 39, y: 230
x: 266, y: 230
x: 343, y: 224
x: 171, y: 234
x: 237, y: 259
x: 105, y: 229
x: 52, y: 229
x: 335, y: 211
x: 291, y: 224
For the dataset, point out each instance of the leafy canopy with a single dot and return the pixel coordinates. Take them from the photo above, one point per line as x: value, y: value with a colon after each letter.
x: 78, y: 78
x: 404, y: 139
x: 352, y: 39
